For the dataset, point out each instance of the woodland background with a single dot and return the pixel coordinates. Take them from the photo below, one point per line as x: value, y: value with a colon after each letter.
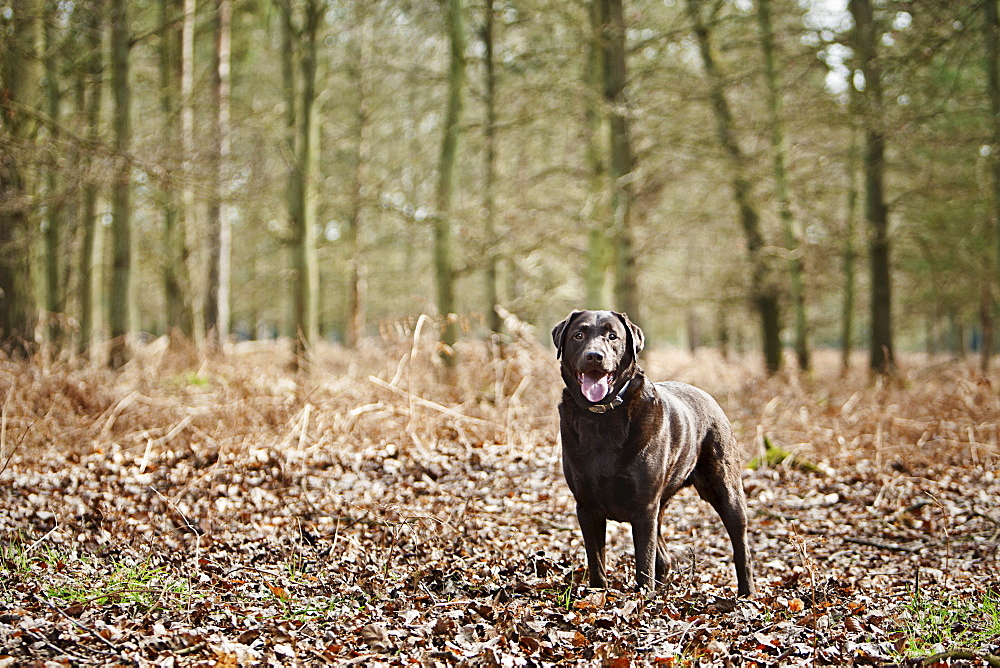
x: 407, y: 195
x: 730, y: 173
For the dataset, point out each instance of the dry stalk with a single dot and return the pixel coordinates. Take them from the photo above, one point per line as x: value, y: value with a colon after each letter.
x: 808, y: 563
x: 187, y: 523
x: 413, y: 399
x: 3, y: 432
x: 163, y: 440
x: 3, y: 428
x: 946, y: 415
x: 114, y: 648
x: 38, y: 542
x: 512, y: 405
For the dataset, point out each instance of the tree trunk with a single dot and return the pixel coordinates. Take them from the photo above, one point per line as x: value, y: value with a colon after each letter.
x: 179, y: 249
x: 599, y: 191
x: 957, y: 334
x: 220, y: 230
x: 170, y: 57
x: 310, y: 161
x: 781, y: 190
x: 866, y: 36
x: 443, y: 258
x: 121, y: 263
x: 94, y: 68
x: 357, y: 270
x: 17, y: 300
x: 54, y: 207
x: 986, y: 323
x: 763, y: 292
x: 622, y: 161
x: 722, y: 330
x: 991, y: 34
x: 493, y: 320
x: 291, y: 153
x: 302, y: 205
x: 850, y: 255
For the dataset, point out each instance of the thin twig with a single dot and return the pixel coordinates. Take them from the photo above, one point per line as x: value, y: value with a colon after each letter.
x: 882, y: 546
x: 3, y: 433
x: 547, y: 522
x: 62, y: 651
x: 961, y: 653
x: 191, y: 649
x: 118, y: 409
x: 14, y: 449
x: 414, y: 348
x: 197, y: 533
x: 37, y: 542
x: 117, y: 650
x: 163, y: 440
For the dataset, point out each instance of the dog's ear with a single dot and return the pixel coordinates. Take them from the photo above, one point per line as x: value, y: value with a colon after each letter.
x: 636, y: 338
x: 559, y: 332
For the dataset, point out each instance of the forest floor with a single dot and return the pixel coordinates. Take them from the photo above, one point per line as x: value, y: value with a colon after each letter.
x: 227, y: 512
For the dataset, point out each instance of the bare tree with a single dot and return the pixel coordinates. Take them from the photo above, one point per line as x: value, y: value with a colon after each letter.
x: 17, y: 301
x: 302, y: 150
x: 174, y: 264
x: 598, y: 188
x: 220, y: 229
x: 178, y: 246
x: 763, y: 292
x: 357, y: 291
x: 849, y: 256
x: 93, y: 25
x: 779, y: 149
x: 443, y: 257
x: 54, y: 219
x: 622, y: 159
x: 991, y: 36
x: 866, y: 38
x: 121, y: 212
x: 493, y: 320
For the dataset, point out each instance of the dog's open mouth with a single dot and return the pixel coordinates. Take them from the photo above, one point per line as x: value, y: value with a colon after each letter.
x: 595, y: 385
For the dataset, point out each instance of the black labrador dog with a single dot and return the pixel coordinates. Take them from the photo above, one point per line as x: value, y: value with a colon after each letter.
x: 629, y: 444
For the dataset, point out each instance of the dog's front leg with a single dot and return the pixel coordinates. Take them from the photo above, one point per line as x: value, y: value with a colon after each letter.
x: 644, y: 536
x: 593, y: 526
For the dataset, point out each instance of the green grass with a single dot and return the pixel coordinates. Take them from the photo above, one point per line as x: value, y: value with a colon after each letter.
x: 934, y: 623
x: 23, y: 558
x: 312, y: 607
x: 139, y: 583
x: 13, y: 557
x: 73, y: 579
x: 775, y: 456
x: 190, y: 379
x: 563, y: 597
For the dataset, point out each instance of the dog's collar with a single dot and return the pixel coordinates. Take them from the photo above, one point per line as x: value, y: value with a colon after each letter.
x: 618, y: 400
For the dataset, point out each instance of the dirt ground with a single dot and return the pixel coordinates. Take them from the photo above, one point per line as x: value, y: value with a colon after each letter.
x: 201, y: 512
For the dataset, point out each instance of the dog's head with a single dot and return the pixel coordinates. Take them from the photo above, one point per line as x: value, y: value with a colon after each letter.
x: 599, y: 351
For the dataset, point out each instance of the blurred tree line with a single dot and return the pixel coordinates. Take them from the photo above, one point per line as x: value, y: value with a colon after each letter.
x: 740, y: 173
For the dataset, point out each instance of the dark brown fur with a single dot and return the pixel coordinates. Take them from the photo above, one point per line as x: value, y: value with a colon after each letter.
x: 626, y: 461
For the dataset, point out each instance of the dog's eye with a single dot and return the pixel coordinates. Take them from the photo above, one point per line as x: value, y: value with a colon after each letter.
x: 612, y: 336
x: 578, y: 336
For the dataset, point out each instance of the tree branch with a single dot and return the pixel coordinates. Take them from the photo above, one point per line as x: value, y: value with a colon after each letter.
x: 962, y: 653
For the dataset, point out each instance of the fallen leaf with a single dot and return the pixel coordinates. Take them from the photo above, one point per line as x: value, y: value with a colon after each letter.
x: 376, y: 637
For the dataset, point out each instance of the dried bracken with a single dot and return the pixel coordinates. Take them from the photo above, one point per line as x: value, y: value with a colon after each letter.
x: 381, y: 509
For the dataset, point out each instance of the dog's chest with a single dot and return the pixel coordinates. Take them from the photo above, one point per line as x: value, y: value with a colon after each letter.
x: 607, y: 468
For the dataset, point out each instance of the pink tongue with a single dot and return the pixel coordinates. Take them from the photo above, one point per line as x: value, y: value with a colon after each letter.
x: 595, y: 390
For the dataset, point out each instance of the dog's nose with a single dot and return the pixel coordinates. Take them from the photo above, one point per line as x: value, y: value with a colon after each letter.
x: 594, y: 356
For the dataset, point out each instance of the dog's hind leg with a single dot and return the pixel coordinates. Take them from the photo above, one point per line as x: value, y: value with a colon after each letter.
x: 719, y: 483
x: 663, y: 561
